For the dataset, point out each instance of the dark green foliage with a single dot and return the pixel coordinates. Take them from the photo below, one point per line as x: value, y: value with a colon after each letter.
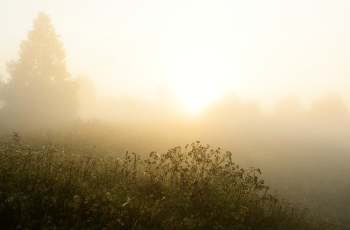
x: 191, y: 188
x: 40, y: 89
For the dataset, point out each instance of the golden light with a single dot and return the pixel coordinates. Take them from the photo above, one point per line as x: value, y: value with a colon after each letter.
x: 199, y: 77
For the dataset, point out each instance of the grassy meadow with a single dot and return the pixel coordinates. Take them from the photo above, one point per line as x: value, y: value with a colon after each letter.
x: 82, y: 177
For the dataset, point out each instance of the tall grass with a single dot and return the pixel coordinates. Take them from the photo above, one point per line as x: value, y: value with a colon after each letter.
x: 194, y: 187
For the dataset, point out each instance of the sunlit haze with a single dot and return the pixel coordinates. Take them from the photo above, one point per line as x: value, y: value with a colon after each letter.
x: 261, y: 50
x: 268, y: 80
x: 199, y: 77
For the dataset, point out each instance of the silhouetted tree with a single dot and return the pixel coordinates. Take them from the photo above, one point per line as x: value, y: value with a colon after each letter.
x: 40, y: 88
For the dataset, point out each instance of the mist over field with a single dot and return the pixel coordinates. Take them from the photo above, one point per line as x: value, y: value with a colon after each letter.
x: 266, y: 81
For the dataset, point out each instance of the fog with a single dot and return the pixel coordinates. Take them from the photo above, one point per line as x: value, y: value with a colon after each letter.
x: 268, y: 81
x: 260, y: 50
x: 303, y: 151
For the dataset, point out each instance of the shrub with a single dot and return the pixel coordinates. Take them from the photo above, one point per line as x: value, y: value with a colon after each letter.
x: 191, y: 188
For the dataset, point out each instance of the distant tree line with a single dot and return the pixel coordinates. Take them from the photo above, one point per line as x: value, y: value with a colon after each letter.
x: 41, y: 91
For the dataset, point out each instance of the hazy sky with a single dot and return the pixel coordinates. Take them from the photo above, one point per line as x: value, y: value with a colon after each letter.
x: 258, y: 49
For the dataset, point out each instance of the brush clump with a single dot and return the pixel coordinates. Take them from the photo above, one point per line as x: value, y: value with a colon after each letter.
x: 194, y: 187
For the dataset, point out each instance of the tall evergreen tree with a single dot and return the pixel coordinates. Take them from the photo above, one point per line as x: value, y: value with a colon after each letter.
x: 40, y: 89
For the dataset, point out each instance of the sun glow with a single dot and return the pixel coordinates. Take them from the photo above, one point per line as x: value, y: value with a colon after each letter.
x: 199, y: 77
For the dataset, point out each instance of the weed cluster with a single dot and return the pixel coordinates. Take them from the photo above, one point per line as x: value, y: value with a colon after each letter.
x: 191, y: 188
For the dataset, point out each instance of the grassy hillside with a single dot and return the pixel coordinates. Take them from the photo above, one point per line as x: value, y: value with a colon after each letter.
x: 75, y: 185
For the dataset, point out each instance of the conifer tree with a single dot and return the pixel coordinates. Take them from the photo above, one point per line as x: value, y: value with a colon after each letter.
x: 40, y: 89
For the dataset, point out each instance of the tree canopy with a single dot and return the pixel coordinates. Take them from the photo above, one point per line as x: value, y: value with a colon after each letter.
x: 40, y: 88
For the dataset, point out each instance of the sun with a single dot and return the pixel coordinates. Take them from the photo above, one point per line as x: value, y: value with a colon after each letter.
x: 199, y: 77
